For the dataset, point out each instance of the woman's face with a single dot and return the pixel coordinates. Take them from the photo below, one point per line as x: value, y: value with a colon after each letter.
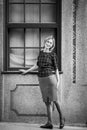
x: 49, y: 43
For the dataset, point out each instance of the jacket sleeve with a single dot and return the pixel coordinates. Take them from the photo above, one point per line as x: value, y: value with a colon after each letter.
x: 55, y: 61
x: 38, y: 59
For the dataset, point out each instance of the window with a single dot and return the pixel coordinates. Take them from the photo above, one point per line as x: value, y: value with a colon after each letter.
x: 27, y: 23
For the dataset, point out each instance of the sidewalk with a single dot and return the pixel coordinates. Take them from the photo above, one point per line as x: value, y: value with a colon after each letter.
x: 25, y: 126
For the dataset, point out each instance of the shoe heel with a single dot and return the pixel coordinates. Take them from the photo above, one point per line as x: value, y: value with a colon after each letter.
x: 62, y: 124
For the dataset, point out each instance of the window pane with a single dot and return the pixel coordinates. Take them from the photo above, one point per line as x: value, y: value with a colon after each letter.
x: 31, y: 1
x: 16, y: 38
x: 48, y: 1
x: 16, y: 58
x: 16, y: 1
x: 31, y: 57
x: 46, y: 33
x: 32, y: 13
x: 48, y: 13
x: 16, y: 13
x: 32, y: 38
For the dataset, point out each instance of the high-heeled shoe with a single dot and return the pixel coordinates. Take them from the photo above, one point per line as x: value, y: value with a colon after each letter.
x: 47, y: 126
x: 62, y: 123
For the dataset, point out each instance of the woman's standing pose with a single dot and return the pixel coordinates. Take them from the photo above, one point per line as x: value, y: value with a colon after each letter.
x: 48, y: 76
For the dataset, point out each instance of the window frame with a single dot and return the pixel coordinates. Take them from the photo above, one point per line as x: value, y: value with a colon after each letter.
x: 8, y: 25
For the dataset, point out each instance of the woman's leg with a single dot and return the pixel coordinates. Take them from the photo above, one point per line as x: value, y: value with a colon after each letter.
x: 49, y: 112
x: 59, y: 110
x: 62, y: 119
x: 48, y: 125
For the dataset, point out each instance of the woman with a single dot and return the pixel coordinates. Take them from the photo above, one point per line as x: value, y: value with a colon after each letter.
x: 48, y: 76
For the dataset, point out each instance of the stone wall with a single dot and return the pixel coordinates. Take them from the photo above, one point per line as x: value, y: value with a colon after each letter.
x: 1, y: 47
x: 74, y: 94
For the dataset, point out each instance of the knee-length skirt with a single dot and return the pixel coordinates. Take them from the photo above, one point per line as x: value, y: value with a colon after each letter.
x: 48, y: 87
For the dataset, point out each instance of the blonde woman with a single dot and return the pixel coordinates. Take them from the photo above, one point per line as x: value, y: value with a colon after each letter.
x: 48, y: 76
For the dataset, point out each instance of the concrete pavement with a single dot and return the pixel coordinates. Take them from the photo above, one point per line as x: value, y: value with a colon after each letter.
x: 26, y: 126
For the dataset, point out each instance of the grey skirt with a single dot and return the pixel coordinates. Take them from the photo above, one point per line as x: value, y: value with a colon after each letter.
x: 48, y: 87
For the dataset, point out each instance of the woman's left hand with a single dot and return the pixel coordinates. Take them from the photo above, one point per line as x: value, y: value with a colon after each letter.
x: 57, y: 84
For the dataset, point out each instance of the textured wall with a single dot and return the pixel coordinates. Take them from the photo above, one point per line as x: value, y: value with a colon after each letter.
x: 82, y: 42
x: 74, y: 94
x: 82, y: 57
x: 23, y: 99
x: 1, y: 46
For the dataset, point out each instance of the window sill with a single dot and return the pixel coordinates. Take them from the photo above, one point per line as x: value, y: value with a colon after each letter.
x: 17, y: 72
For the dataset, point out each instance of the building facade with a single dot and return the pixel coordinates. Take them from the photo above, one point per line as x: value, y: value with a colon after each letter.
x: 24, y: 25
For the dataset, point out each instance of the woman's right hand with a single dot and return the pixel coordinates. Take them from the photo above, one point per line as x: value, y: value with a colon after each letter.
x: 23, y: 71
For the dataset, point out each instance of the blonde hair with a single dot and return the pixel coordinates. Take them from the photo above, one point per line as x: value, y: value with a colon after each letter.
x: 53, y: 39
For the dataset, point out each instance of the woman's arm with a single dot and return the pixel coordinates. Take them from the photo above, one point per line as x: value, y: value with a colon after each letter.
x: 57, y: 75
x: 34, y: 67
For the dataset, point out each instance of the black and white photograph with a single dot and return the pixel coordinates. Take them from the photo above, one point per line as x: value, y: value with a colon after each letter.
x: 43, y: 64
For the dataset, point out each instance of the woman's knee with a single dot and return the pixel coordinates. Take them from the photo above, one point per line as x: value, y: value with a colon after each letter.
x: 48, y: 103
x: 56, y: 102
